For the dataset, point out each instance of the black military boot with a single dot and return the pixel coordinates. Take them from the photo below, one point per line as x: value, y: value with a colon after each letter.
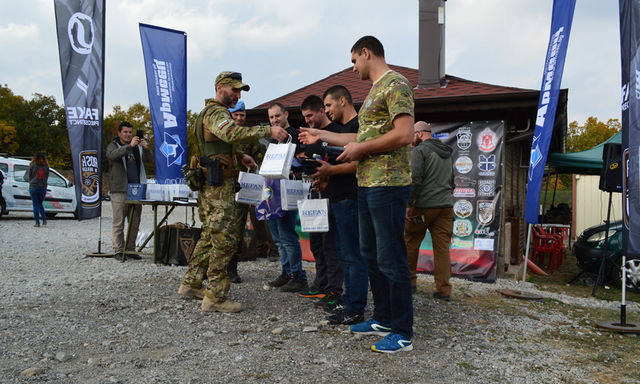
x: 232, y: 271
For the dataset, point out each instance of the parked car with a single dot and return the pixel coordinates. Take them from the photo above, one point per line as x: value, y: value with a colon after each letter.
x: 589, y: 250
x: 60, y: 197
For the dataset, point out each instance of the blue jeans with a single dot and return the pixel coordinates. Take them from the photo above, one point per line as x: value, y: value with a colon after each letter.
x: 381, y: 211
x: 346, y: 237
x: 37, y: 198
x: 283, y: 231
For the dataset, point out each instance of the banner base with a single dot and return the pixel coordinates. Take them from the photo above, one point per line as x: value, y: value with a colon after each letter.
x: 613, y: 326
x: 99, y: 254
x: 517, y: 294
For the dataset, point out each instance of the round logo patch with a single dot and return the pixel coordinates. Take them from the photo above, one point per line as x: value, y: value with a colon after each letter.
x: 464, y: 164
x: 463, y: 208
x: 462, y: 227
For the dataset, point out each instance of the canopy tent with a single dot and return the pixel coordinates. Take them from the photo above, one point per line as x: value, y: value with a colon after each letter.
x: 587, y: 162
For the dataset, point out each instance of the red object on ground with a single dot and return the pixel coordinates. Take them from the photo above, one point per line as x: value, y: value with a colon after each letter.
x: 534, y: 268
x: 307, y: 255
x: 546, y: 243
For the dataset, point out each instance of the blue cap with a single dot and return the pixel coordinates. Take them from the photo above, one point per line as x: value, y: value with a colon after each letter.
x: 239, y: 107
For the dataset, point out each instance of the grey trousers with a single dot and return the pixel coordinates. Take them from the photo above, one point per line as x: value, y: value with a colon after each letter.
x: 120, y: 213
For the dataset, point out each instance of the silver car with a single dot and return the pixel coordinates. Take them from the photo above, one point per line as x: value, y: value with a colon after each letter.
x: 60, y: 197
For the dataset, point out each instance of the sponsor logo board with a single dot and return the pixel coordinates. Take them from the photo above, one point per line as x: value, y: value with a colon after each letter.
x: 487, y: 140
x: 464, y: 164
x: 464, y: 192
x: 462, y: 227
x: 486, y: 187
x: 463, y: 208
x: 486, y: 211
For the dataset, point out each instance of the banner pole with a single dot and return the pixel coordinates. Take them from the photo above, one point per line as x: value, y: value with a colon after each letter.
x: 100, y: 234
x: 99, y: 253
x: 521, y: 294
x: 526, y: 259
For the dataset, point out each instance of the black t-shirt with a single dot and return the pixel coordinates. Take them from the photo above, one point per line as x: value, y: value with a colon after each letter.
x: 133, y: 173
x: 344, y: 186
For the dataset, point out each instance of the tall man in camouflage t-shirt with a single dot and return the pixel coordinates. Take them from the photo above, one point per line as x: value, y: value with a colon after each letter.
x: 382, y: 149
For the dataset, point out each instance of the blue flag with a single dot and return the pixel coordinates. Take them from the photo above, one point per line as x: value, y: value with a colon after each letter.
x: 549, y: 92
x: 165, y: 63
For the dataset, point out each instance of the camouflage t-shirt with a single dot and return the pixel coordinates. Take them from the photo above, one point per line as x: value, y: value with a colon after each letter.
x: 389, y: 97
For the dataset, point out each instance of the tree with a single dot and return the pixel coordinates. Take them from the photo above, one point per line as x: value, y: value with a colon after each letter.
x: 592, y: 133
x: 34, y: 125
x: 8, y: 142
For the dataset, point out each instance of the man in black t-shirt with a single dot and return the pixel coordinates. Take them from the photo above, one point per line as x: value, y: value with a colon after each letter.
x: 327, y: 284
x: 344, y: 205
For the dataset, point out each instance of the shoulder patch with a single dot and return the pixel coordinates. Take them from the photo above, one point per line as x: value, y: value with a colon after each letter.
x: 223, y: 124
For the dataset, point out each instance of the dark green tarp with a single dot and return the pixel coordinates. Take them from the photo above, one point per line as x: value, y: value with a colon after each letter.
x: 587, y: 162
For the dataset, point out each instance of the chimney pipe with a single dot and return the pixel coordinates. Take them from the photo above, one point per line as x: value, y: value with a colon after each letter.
x: 431, y: 44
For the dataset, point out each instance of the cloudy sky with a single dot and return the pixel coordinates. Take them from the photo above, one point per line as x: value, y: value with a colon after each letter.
x: 282, y: 45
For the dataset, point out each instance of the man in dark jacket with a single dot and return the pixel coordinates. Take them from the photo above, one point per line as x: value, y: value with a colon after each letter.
x: 126, y: 154
x: 430, y: 206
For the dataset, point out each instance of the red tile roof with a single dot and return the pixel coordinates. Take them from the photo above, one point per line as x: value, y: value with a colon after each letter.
x: 455, y: 87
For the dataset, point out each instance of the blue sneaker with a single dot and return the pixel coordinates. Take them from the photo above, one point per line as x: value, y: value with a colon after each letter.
x: 371, y: 327
x: 392, y: 343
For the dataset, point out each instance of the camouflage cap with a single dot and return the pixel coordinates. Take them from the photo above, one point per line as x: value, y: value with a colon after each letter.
x: 232, y: 78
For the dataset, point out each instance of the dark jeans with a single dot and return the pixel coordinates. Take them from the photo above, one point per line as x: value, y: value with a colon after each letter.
x: 381, y: 212
x: 329, y: 271
x: 283, y: 231
x: 37, y: 198
x: 348, y: 244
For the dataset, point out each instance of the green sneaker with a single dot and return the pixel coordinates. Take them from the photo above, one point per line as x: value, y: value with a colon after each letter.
x: 312, y: 292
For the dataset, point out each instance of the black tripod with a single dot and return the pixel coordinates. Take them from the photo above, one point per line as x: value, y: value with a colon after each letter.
x: 606, y: 256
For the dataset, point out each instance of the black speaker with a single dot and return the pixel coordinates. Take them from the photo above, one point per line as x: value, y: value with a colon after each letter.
x: 611, y: 173
x: 176, y: 243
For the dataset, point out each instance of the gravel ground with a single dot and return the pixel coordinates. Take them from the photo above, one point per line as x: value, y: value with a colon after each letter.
x: 65, y: 318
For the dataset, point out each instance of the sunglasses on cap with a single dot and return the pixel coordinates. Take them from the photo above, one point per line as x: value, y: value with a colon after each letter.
x: 233, y: 75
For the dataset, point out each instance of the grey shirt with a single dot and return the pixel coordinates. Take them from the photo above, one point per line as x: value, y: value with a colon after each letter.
x: 37, y: 176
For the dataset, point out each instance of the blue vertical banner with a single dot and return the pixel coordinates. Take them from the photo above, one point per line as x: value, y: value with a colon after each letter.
x: 165, y: 63
x: 630, y: 60
x: 549, y: 92
x: 80, y: 28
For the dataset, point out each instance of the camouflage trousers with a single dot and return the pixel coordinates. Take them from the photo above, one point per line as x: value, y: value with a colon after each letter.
x: 222, y: 224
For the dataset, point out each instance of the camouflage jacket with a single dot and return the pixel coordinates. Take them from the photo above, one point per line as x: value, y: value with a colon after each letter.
x: 218, y: 121
x: 391, y: 95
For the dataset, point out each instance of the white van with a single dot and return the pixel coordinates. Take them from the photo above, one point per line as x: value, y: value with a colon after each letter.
x: 60, y: 197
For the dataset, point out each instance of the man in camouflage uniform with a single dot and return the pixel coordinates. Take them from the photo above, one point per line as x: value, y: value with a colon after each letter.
x: 382, y: 149
x: 217, y: 136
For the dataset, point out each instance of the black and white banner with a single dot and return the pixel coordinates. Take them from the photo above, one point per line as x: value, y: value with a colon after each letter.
x: 477, y: 198
x: 80, y: 27
x: 630, y: 60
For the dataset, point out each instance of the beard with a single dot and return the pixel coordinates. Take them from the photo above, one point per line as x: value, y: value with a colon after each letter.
x: 229, y: 100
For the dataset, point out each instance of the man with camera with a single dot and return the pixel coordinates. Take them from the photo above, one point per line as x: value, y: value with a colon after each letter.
x: 222, y: 221
x: 126, y: 154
